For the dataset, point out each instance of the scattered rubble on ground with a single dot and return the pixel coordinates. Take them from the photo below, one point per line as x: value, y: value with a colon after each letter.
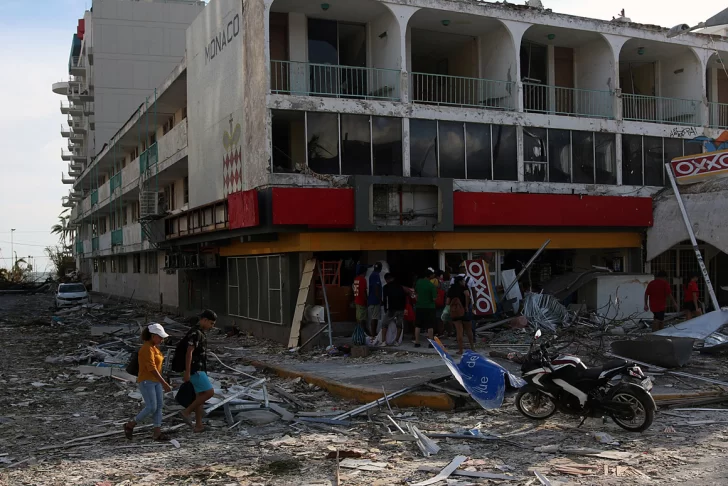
x: 66, y: 396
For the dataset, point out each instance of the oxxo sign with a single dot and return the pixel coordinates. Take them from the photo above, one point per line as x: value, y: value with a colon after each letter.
x: 481, y: 287
x: 223, y: 38
x: 695, y: 168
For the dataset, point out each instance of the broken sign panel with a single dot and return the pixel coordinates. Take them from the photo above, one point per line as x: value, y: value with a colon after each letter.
x: 482, y: 378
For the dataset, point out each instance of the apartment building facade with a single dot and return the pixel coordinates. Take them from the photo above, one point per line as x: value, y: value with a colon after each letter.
x: 419, y: 132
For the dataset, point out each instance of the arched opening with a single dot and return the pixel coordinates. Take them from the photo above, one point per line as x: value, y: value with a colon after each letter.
x: 461, y: 60
x: 346, y: 49
x: 717, y: 89
x: 661, y: 83
x: 567, y: 72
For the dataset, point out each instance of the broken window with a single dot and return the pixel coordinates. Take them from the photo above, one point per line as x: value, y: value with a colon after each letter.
x: 323, y: 142
x: 423, y: 148
x: 356, y: 147
x: 582, y: 149
x: 288, y: 133
x: 505, y: 154
x: 653, y: 161
x: 136, y: 263
x: 559, y: 155
x: 452, y: 149
x: 478, y: 156
x: 632, y: 160
x: 605, y: 158
x: 534, y: 154
x: 387, y: 145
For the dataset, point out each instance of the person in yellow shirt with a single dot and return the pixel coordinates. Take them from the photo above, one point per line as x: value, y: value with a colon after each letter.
x: 150, y: 382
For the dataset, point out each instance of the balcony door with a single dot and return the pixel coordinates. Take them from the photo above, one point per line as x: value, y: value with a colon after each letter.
x: 337, y: 54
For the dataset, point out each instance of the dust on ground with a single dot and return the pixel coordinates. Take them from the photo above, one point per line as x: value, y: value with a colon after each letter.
x: 45, y: 406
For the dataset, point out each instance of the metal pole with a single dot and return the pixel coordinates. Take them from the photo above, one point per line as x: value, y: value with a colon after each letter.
x: 525, y: 268
x: 693, y: 241
x: 12, y: 258
x: 326, y: 301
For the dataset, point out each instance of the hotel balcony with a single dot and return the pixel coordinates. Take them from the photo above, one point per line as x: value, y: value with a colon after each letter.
x: 441, y: 89
x: 558, y: 100
x: 657, y: 109
x: 67, y: 181
x: 65, y: 155
x: 65, y: 108
x: 76, y: 66
x: 60, y: 88
x: 65, y: 131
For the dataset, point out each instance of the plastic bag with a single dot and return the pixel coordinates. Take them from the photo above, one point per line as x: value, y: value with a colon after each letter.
x: 391, y: 337
x: 446, y: 314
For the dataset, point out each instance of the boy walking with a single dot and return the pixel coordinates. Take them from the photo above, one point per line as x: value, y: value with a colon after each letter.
x: 425, y: 317
x: 656, y: 295
x: 196, y: 367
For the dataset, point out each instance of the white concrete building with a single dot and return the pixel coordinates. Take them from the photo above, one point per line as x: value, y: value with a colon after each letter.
x: 423, y: 132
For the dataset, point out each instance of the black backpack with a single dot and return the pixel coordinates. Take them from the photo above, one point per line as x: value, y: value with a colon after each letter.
x: 180, y: 355
x: 132, y: 367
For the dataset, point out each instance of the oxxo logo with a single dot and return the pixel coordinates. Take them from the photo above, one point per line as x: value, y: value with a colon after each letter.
x: 477, y: 270
x: 701, y: 165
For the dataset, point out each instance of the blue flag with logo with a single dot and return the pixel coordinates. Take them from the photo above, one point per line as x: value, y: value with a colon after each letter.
x: 484, y: 379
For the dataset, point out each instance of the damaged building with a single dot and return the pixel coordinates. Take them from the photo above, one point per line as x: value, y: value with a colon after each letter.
x: 416, y: 132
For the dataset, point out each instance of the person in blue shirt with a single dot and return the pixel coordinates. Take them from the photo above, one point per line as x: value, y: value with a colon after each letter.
x: 375, y: 298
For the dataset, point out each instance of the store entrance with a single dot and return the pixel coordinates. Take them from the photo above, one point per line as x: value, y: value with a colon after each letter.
x: 408, y: 265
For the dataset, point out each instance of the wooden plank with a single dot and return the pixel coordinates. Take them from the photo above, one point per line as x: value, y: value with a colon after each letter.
x: 303, y: 291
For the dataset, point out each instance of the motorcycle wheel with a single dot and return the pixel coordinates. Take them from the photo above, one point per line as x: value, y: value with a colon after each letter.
x: 644, y: 413
x: 534, y: 404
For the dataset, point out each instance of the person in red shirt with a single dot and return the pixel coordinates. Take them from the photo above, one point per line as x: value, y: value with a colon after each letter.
x: 360, y: 302
x: 690, y: 298
x: 656, y: 295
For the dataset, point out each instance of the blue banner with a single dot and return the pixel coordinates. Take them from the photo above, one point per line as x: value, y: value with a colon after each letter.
x: 482, y: 378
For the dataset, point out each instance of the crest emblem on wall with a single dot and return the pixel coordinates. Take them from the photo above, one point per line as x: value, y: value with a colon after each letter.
x: 232, y: 163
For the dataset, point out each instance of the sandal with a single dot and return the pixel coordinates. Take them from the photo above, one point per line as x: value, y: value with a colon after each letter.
x: 128, y: 431
x: 185, y: 419
x: 162, y: 437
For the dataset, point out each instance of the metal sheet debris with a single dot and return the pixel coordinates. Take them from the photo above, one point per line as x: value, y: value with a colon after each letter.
x: 697, y: 328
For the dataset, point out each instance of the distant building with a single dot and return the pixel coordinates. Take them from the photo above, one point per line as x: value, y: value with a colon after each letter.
x: 418, y: 132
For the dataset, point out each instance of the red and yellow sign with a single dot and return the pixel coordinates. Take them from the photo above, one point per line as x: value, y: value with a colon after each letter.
x: 481, y: 287
x: 696, y: 168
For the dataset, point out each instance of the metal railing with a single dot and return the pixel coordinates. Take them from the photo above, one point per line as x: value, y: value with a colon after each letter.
x: 115, y: 182
x: 117, y: 237
x: 558, y: 100
x: 718, y: 114
x: 148, y: 158
x: 309, y: 79
x: 657, y: 109
x: 94, y: 197
x: 442, y: 89
x: 95, y: 243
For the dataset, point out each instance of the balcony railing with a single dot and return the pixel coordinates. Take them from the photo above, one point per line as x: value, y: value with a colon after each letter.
x: 117, y: 237
x: 94, y: 198
x: 95, y: 243
x: 308, y: 79
x: 115, y: 182
x: 718, y: 115
x: 461, y: 91
x: 656, y: 109
x: 558, y: 100
x: 148, y: 158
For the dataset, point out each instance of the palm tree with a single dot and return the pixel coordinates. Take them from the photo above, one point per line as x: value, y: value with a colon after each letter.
x: 62, y: 229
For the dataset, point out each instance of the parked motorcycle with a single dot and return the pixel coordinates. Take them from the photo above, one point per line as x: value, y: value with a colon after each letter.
x: 618, y: 389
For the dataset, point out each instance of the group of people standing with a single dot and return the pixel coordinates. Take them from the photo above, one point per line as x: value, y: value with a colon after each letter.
x: 438, y: 302
x: 659, y: 291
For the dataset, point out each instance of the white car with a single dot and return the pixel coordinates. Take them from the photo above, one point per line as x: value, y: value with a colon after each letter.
x: 72, y: 294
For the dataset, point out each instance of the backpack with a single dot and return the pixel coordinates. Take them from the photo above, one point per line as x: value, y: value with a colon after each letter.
x: 457, y: 311
x: 132, y: 367
x: 180, y: 355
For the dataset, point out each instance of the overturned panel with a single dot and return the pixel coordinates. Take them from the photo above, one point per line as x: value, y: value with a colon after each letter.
x: 698, y: 328
x: 403, y: 204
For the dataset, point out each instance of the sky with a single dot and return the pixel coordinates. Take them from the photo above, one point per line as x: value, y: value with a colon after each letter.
x: 37, y: 37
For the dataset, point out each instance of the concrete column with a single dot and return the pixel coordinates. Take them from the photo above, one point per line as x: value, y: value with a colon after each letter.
x: 403, y: 14
x: 703, y: 57
x: 618, y: 157
x: 714, y: 116
x: 551, y: 77
x: 616, y: 43
x: 406, y: 147
x: 517, y: 29
x: 519, y: 153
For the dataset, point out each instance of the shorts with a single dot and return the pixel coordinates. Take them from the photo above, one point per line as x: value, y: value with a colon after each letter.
x: 689, y: 306
x: 425, y: 318
x: 200, y: 382
x: 361, y: 313
x: 391, y: 316
x: 375, y: 312
x: 659, y: 315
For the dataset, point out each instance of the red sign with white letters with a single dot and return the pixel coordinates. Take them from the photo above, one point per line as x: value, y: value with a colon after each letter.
x: 696, y: 168
x: 481, y: 288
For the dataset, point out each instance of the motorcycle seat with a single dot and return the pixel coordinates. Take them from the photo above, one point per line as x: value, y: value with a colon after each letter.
x: 593, y: 373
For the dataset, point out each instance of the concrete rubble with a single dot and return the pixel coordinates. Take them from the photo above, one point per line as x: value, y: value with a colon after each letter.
x: 66, y: 397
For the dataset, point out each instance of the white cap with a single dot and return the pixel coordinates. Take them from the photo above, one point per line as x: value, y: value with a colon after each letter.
x: 157, y: 329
